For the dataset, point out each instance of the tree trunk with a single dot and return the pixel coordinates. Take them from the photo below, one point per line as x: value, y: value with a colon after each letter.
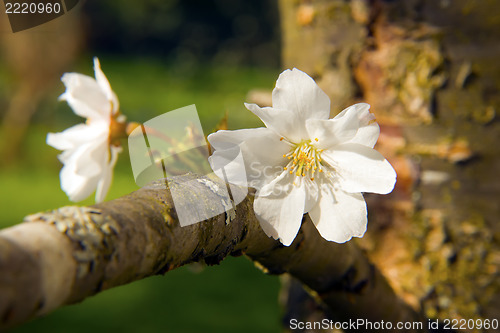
x: 431, y: 73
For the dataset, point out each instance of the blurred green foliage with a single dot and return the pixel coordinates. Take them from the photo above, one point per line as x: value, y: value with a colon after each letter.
x: 220, y: 31
x: 232, y: 297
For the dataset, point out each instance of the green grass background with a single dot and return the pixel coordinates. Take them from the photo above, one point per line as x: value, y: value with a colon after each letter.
x: 231, y: 297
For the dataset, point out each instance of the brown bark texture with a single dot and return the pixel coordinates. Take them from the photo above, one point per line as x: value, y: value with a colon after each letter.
x: 431, y: 73
x: 63, y: 256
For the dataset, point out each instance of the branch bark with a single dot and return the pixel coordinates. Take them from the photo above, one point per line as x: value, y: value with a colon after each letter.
x: 63, y: 256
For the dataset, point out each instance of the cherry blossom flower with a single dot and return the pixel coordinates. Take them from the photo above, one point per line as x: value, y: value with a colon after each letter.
x: 303, y: 162
x: 90, y: 150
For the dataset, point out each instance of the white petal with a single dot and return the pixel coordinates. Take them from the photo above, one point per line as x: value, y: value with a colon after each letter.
x: 107, y: 176
x: 77, y: 186
x: 296, y: 91
x: 77, y: 135
x: 69, y: 138
x: 280, y: 212
x: 328, y: 133
x: 369, y: 130
x: 228, y: 139
x: 85, y: 96
x: 339, y: 216
x: 312, y: 193
x: 88, y: 159
x: 285, y: 123
x: 284, y: 182
x: 360, y: 169
x: 229, y: 165
x: 353, y: 125
x: 86, y: 168
x: 103, y: 82
x: 257, y: 166
x: 88, y: 145
x: 94, y: 160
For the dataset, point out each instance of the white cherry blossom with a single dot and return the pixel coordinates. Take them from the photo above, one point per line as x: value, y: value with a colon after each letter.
x: 90, y: 150
x: 303, y: 162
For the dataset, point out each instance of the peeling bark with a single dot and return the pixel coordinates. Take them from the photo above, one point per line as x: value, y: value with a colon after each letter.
x: 63, y: 256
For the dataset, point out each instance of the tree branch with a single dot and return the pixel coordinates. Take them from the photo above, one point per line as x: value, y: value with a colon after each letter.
x: 63, y: 256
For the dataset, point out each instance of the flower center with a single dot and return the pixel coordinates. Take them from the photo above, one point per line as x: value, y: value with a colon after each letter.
x: 305, y: 159
x: 117, y: 129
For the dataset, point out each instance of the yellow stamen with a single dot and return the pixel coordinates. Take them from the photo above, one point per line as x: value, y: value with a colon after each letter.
x: 305, y: 159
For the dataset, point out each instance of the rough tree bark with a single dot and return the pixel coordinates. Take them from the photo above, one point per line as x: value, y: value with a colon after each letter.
x: 430, y: 71
x: 63, y: 256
